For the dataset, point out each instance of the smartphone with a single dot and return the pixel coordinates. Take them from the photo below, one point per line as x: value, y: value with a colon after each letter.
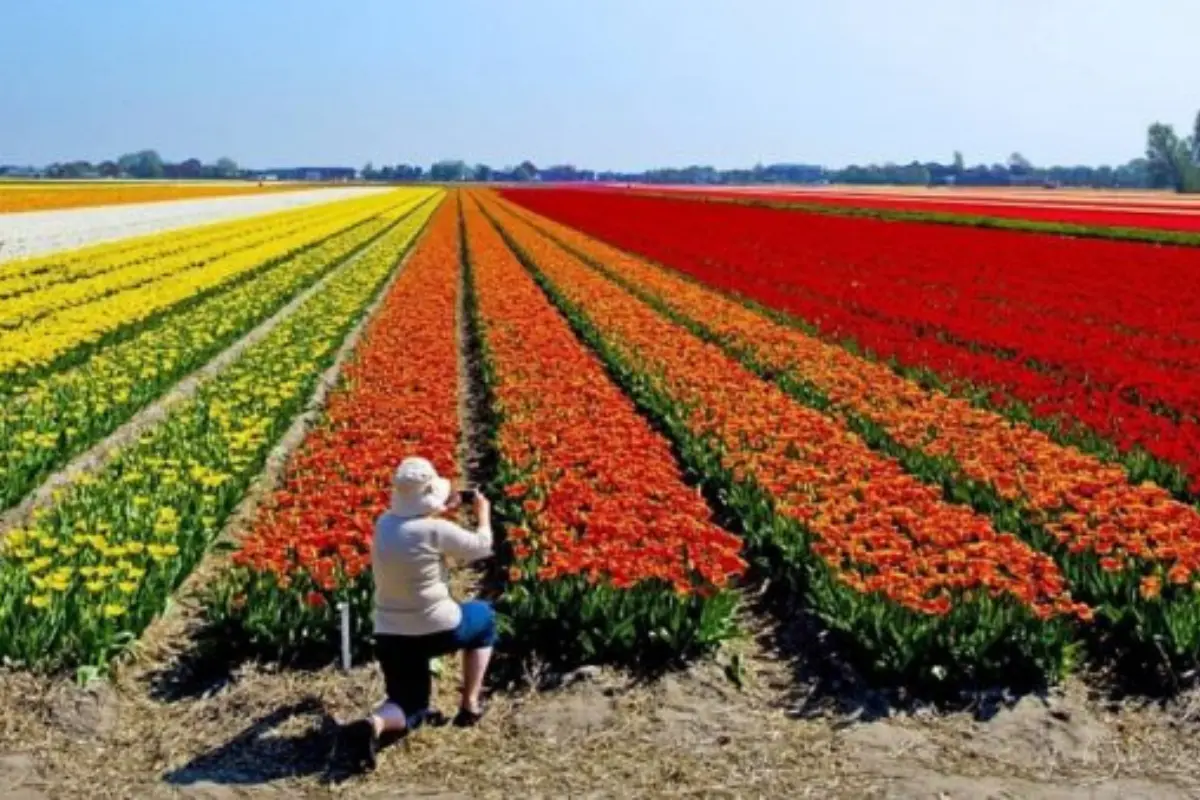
x: 466, y: 496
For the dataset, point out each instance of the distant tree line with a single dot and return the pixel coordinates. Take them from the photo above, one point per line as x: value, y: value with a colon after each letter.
x: 1018, y: 171
x: 142, y: 164
x: 1173, y: 162
x: 452, y: 170
x: 1170, y: 162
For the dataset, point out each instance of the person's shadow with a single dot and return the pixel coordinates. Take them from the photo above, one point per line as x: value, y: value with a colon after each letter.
x: 261, y: 754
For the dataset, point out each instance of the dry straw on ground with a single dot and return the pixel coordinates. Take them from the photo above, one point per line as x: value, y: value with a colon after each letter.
x: 262, y: 732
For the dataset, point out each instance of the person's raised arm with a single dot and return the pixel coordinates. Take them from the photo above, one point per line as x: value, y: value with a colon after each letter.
x: 463, y: 545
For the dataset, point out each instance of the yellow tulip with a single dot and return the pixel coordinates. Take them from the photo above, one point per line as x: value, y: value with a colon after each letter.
x: 135, y: 286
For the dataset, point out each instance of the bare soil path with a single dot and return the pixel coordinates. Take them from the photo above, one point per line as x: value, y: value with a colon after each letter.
x: 259, y: 732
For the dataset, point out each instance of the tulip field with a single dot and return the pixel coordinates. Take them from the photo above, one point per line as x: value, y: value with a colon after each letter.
x: 91, y: 570
x: 970, y: 455
x: 17, y: 196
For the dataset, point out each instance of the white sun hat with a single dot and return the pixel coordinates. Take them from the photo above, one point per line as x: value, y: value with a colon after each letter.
x: 417, y: 489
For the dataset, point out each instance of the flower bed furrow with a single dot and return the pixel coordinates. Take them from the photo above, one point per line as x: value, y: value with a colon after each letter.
x: 897, y: 289
x: 50, y: 338
x: 309, y: 547
x: 1120, y: 544
x: 54, y: 419
x: 922, y: 591
x: 92, y: 570
x: 613, y: 556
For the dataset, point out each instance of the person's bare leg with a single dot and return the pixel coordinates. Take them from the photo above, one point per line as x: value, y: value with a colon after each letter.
x: 475, y: 664
x: 387, y: 718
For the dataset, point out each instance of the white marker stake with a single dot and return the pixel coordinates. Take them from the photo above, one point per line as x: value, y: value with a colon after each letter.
x: 344, y: 609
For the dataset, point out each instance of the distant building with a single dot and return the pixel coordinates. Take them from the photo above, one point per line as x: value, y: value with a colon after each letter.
x: 1033, y: 180
x: 306, y: 174
x: 20, y: 172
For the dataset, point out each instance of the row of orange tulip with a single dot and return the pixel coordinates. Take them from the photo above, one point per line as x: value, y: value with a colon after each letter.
x: 1122, y: 545
x: 609, y: 544
x: 884, y: 543
x: 309, y: 547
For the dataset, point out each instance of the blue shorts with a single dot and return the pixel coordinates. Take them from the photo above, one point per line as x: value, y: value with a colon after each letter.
x: 404, y: 660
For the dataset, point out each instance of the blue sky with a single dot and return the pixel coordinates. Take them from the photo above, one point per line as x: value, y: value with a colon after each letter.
x: 623, y: 84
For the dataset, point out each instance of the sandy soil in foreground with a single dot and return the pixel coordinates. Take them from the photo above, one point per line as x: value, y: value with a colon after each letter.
x: 39, y: 232
x: 171, y: 729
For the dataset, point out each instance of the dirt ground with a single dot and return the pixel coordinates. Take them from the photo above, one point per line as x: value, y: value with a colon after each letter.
x: 746, y: 723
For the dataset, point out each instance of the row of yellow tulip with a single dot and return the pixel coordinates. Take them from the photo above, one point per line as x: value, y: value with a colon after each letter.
x: 33, y: 304
x: 66, y: 411
x: 39, y: 274
x: 92, y: 571
x: 51, y: 337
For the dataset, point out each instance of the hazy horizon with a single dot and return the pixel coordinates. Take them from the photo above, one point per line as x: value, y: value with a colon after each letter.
x: 602, y: 84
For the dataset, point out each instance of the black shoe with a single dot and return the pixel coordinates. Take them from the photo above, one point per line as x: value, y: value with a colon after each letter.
x: 468, y: 719
x: 430, y: 716
x: 361, y: 745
